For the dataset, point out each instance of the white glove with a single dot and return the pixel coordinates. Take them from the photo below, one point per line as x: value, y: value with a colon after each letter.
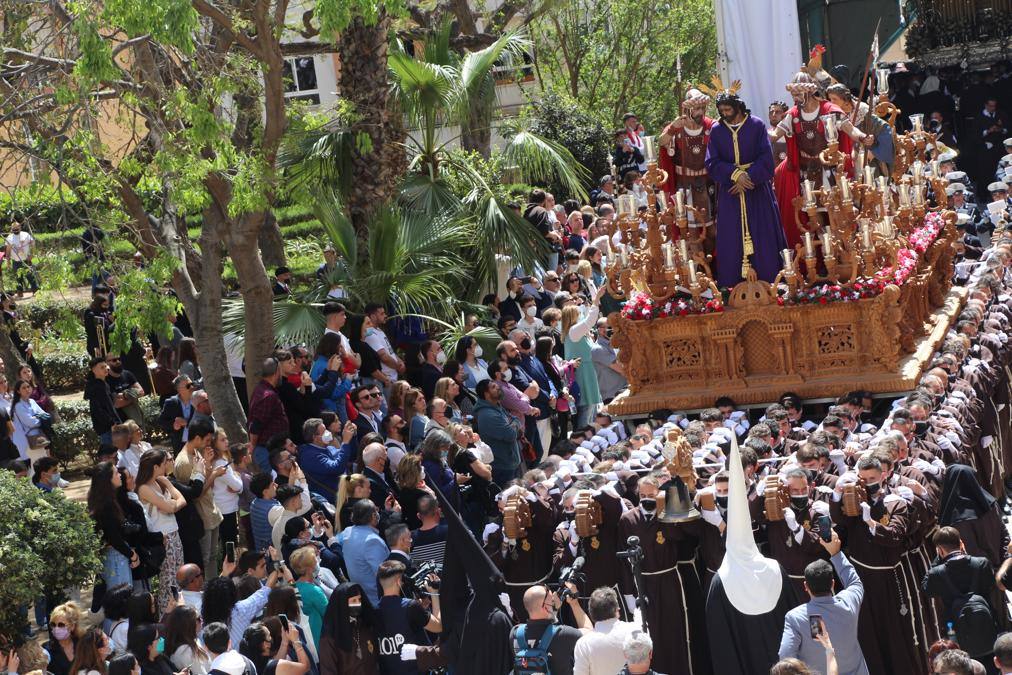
x: 838, y: 458
x: 790, y: 519
x: 712, y: 517
x: 866, y: 512
x: 822, y: 508
x: 630, y: 603
x: 408, y: 652
x: 490, y: 529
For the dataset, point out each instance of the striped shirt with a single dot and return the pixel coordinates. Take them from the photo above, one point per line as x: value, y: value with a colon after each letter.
x: 428, y: 545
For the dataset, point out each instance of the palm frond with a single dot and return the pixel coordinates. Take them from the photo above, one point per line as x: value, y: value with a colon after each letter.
x: 540, y: 160
x: 328, y: 209
x: 476, y: 68
x: 319, y: 157
x: 423, y: 87
x: 303, y: 322
x: 431, y: 196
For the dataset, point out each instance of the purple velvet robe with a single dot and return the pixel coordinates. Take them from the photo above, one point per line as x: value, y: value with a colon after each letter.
x: 761, y: 208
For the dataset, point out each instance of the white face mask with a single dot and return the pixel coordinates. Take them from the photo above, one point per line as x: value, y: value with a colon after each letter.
x: 441, y: 358
x: 327, y: 436
x: 532, y: 310
x: 477, y: 351
x: 508, y: 375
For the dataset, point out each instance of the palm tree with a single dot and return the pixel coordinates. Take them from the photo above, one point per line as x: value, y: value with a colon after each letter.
x: 434, y: 92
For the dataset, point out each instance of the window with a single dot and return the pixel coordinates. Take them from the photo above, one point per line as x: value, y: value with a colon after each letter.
x: 299, y: 74
x: 512, y: 66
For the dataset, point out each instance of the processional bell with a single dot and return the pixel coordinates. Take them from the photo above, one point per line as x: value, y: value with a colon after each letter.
x: 678, y: 506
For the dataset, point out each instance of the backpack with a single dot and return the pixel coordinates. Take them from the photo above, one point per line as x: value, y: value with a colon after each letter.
x: 972, y: 618
x: 532, y: 660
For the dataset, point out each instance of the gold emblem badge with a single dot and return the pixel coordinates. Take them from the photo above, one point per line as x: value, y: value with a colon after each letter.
x: 807, y: 524
x: 884, y: 520
x: 660, y: 537
x: 594, y: 543
x: 368, y: 644
x: 526, y: 545
x: 809, y: 135
x: 696, y: 149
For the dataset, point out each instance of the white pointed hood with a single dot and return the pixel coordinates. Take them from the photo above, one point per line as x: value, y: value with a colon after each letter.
x: 751, y: 581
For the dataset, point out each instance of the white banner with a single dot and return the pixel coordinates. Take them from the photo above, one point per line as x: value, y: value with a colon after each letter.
x: 760, y: 44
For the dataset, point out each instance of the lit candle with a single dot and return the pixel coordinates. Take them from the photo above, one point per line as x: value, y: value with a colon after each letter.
x: 669, y: 255
x: 626, y: 205
x: 918, y: 171
x: 869, y: 176
x: 786, y: 255
x: 692, y: 271
x: 809, y: 245
x: 679, y: 203
x: 829, y: 122
x: 683, y: 250
x: 648, y: 149
x: 844, y: 188
x: 866, y: 236
x: 827, y: 245
x: 883, y: 184
x: 809, y: 197
x: 917, y: 121
x: 662, y: 201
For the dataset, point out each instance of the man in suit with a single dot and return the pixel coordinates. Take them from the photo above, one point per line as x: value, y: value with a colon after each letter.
x: 398, y: 538
x: 374, y: 456
x: 282, y: 279
x: 956, y: 572
x: 177, y: 412
x: 839, y: 614
x: 367, y: 402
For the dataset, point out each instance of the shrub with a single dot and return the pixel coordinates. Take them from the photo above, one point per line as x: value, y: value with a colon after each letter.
x: 49, y: 543
x: 64, y: 371
x: 45, y: 312
x: 74, y: 439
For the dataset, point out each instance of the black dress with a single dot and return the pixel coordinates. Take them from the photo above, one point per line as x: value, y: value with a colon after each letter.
x: 59, y: 664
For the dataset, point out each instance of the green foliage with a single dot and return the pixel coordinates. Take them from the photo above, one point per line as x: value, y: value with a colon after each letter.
x: 622, y: 55
x: 74, y: 439
x: 558, y: 117
x: 335, y: 15
x: 42, y: 207
x: 44, y: 313
x: 48, y: 543
x: 64, y: 371
x: 148, y: 306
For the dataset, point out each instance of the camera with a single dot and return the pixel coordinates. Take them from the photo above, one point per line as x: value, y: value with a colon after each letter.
x: 419, y: 577
x: 570, y: 574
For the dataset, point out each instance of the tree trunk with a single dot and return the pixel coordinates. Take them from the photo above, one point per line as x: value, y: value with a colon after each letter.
x: 272, y: 244
x: 11, y: 356
x: 362, y: 50
x: 257, y: 299
x: 476, y: 131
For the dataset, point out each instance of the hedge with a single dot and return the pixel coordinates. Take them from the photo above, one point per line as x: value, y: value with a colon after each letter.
x: 41, y: 314
x: 74, y: 436
x: 64, y: 371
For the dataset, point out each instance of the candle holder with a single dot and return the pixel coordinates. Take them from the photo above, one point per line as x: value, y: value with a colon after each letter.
x: 789, y: 274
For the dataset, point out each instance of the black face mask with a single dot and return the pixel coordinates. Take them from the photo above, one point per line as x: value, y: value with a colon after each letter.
x: 569, y: 515
x: 812, y: 474
x: 648, y: 505
x: 872, y: 488
x: 721, y: 501
x: 920, y: 427
x: 525, y: 343
x: 354, y: 610
x: 513, y: 360
x: 799, y: 502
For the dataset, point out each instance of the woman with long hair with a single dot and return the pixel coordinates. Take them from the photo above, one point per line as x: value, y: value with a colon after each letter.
x: 328, y: 372
x: 466, y: 398
x: 227, y: 488
x: 288, y: 601
x: 350, y: 489
x: 31, y: 422
x: 118, y: 557
x: 355, y: 328
x: 124, y: 664
x: 476, y: 499
x: 182, y: 625
x: 161, y: 501
x: 39, y: 394
x: 149, y: 545
x: 414, y: 416
x: 434, y: 451
x: 448, y: 390
x: 400, y: 389
x: 544, y: 351
x: 92, y: 651
x: 410, y: 488
x: 348, y: 640
x: 65, y: 631
x: 576, y: 338
x: 114, y: 608
x: 142, y: 642
x: 256, y: 646
x: 468, y: 355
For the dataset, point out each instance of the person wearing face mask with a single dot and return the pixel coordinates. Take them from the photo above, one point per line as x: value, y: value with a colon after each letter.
x: 468, y: 355
x: 402, y: 622
x: 509, y: 306
x: 433, y: 357
x: 321, y: 462
x: 601, y: 567
x: 529, y: 322
x: 794, y: 540
x: 347, y: 643
x: 876, y: 541
x: 526, y: 365
x: 676, y: 608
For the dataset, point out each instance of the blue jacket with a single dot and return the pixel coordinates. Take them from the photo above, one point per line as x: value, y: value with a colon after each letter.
x: 364, y: 551
x: 324, y: 466
x: 839, y: 612
x: 331, y: 386
x: 536, y: 371
x: 494, y: 425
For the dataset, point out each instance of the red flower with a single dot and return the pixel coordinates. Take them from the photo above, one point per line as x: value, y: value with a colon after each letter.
x: 683, y: 312
x: 823, y: 301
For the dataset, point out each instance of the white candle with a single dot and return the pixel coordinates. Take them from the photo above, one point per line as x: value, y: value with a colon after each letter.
x: 809, y: 245
x: 669, y: 255
x: 662, y: 202
x: 786, y: 254
x: 829, y: 122
x: 883, y: 183
x: 934, y: 168
x: 625, y: 257
x: 683, y: 250
x: 866, y: 236
x: 844, y: 188
x: 648, y: 149
x: 917, y: 121
x: 918, y: 194
x: 869, y: 176
x: 904, y: 195
x: 614, y: 171
x: 827, y: 245
x: 809, y: 197
x: 918, y: 171
x: 890, y: 229
x: 859, y: 163
x: 679, y: 203
x: 692, y: 271
x: 882, y: 80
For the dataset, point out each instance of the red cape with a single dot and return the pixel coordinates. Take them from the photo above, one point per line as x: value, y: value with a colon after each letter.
x: 787, y: 176
x: 667, y: 162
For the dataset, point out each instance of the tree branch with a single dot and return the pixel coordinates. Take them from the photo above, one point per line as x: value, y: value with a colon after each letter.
x: 211, y: 12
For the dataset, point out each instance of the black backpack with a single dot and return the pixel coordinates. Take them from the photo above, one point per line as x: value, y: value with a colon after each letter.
x: 972, y: 618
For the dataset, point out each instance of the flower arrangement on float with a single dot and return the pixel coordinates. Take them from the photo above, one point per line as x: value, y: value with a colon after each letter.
x: 641, y: 307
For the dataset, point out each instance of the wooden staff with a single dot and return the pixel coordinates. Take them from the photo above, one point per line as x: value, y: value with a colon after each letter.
x: 864, y: 80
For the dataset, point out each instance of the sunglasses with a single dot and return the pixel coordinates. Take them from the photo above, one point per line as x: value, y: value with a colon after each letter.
x: 60, y: 624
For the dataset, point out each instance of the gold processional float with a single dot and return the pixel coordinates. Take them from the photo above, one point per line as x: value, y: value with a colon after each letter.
x: 861, y: 303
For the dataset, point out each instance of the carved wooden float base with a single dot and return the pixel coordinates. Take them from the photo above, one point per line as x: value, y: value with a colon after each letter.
x: 755, y: 354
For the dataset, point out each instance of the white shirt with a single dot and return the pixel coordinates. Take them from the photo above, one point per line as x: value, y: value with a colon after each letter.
x: 380, y: 343
x: 345, y: 344
x: 194, y: 599
x: 600, y: 652
x: 530, y: 328
x: 21, y: 245
x: 130, y: 459
x: 226, y: 500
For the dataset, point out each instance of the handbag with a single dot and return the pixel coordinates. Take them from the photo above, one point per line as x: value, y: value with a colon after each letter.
x: 527, y: 452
